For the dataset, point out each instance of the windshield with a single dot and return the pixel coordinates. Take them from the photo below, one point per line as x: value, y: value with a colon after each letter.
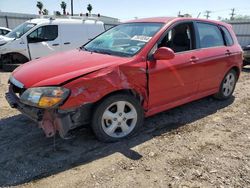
x: 124, y: 40
x: 20, y: 30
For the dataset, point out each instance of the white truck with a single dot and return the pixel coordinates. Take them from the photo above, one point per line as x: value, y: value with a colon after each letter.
x: 41, y: 37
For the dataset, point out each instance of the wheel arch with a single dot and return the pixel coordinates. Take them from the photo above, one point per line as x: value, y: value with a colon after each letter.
x: 237, y: 70
x: 130, y: 92
x: 16, y: 55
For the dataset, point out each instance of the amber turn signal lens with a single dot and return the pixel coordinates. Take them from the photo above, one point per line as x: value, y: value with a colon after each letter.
x: 46, y: 102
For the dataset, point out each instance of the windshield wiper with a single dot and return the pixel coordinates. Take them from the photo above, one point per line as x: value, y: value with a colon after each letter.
x: 108, y: 52
x: 101, y: 52
x: 95, y: 51
x: 83, y: 48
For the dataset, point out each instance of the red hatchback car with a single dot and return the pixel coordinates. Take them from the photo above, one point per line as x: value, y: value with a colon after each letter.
x: 132, y: 71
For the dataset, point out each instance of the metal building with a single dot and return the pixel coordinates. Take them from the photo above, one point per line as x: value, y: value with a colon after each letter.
x: 242, y: 31
x: 11, y: 20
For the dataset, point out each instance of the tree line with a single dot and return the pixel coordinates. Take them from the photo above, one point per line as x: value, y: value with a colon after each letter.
x: 63, y: 5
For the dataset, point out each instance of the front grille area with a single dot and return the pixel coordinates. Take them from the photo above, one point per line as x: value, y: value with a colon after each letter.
x: 17, y: 90
x: 16, y: 86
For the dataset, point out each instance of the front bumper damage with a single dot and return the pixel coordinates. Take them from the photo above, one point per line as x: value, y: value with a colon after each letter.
x: 51, y: 120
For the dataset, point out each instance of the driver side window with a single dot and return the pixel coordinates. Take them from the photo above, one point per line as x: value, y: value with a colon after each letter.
x: 44, y: 33
x: 180, y: 38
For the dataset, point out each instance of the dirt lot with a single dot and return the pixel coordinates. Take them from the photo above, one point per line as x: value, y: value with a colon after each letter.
x: 202, y: 144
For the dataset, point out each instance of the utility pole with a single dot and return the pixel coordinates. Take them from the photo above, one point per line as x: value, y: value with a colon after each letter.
x: 199, y: 15
x: 207, y: 12
x: 232, y: 13
x: 72, y: 12
x: 179, y: 13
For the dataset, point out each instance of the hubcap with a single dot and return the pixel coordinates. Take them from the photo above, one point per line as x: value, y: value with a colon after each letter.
x: 119, y: 119
x: 228, y: 84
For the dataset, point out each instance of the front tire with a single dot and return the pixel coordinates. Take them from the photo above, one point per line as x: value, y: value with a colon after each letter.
x: 117, y: 117
x: 227, y: 86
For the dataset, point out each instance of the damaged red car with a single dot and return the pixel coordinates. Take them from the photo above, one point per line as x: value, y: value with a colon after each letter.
x: 132, y: 71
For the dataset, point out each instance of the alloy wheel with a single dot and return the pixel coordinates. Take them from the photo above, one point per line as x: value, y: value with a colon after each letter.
x: 119, y: 119
x: 228, y: 84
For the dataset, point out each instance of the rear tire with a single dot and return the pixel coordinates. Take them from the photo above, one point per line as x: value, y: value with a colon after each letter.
x: 227, y: 86
x: 117, y: 117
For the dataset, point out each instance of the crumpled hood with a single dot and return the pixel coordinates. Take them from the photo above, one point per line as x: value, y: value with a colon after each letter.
x: 61, y: 67
x: 4, y: 39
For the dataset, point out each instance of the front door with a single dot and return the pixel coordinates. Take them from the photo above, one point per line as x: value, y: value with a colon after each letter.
x: 44, y: 41
x: 171, y: 81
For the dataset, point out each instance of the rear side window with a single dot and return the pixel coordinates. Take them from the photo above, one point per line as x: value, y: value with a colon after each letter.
x: 227, y: 36
x: 4, y: 32
x: 44, y: 33
x: 209, y: 35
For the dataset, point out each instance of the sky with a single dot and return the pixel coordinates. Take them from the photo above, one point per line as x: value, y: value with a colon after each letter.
x: 129, y: 9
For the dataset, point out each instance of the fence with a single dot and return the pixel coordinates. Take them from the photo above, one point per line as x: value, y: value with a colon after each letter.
x: 11, y: 20
x: 242, y: 31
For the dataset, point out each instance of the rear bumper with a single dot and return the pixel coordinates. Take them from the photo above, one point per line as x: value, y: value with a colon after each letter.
x: 53, y: 120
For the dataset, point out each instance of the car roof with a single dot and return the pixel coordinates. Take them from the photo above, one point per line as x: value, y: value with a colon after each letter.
x: 153, y: 19
x: 4, y: 28
x: 39, y: 21
x: 170, y: 19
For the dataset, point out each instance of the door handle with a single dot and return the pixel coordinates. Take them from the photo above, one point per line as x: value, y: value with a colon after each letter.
x: 194, y: 59
x: 228, y: 52
x: 66, y: 43
x: 55, y: 44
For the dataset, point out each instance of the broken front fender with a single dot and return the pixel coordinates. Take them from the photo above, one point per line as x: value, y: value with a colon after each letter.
x: 94, y: 86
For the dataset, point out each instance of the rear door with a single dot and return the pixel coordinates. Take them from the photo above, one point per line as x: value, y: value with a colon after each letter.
x: 43, y: 41
x: 213, y: 56
x: 232, y: 47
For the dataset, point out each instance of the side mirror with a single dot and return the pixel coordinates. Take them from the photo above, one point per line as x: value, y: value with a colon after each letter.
x: 164, y: 53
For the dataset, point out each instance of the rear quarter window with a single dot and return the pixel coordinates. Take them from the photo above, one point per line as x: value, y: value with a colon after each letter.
x: 227, y: 36
x: 4, y: 32
x: 209, y: 35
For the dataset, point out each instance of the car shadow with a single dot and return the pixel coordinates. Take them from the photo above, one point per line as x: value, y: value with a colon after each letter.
x: 27, y: 155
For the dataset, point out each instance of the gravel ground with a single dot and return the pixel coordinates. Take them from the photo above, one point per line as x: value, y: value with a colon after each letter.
x: 205, y: 143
